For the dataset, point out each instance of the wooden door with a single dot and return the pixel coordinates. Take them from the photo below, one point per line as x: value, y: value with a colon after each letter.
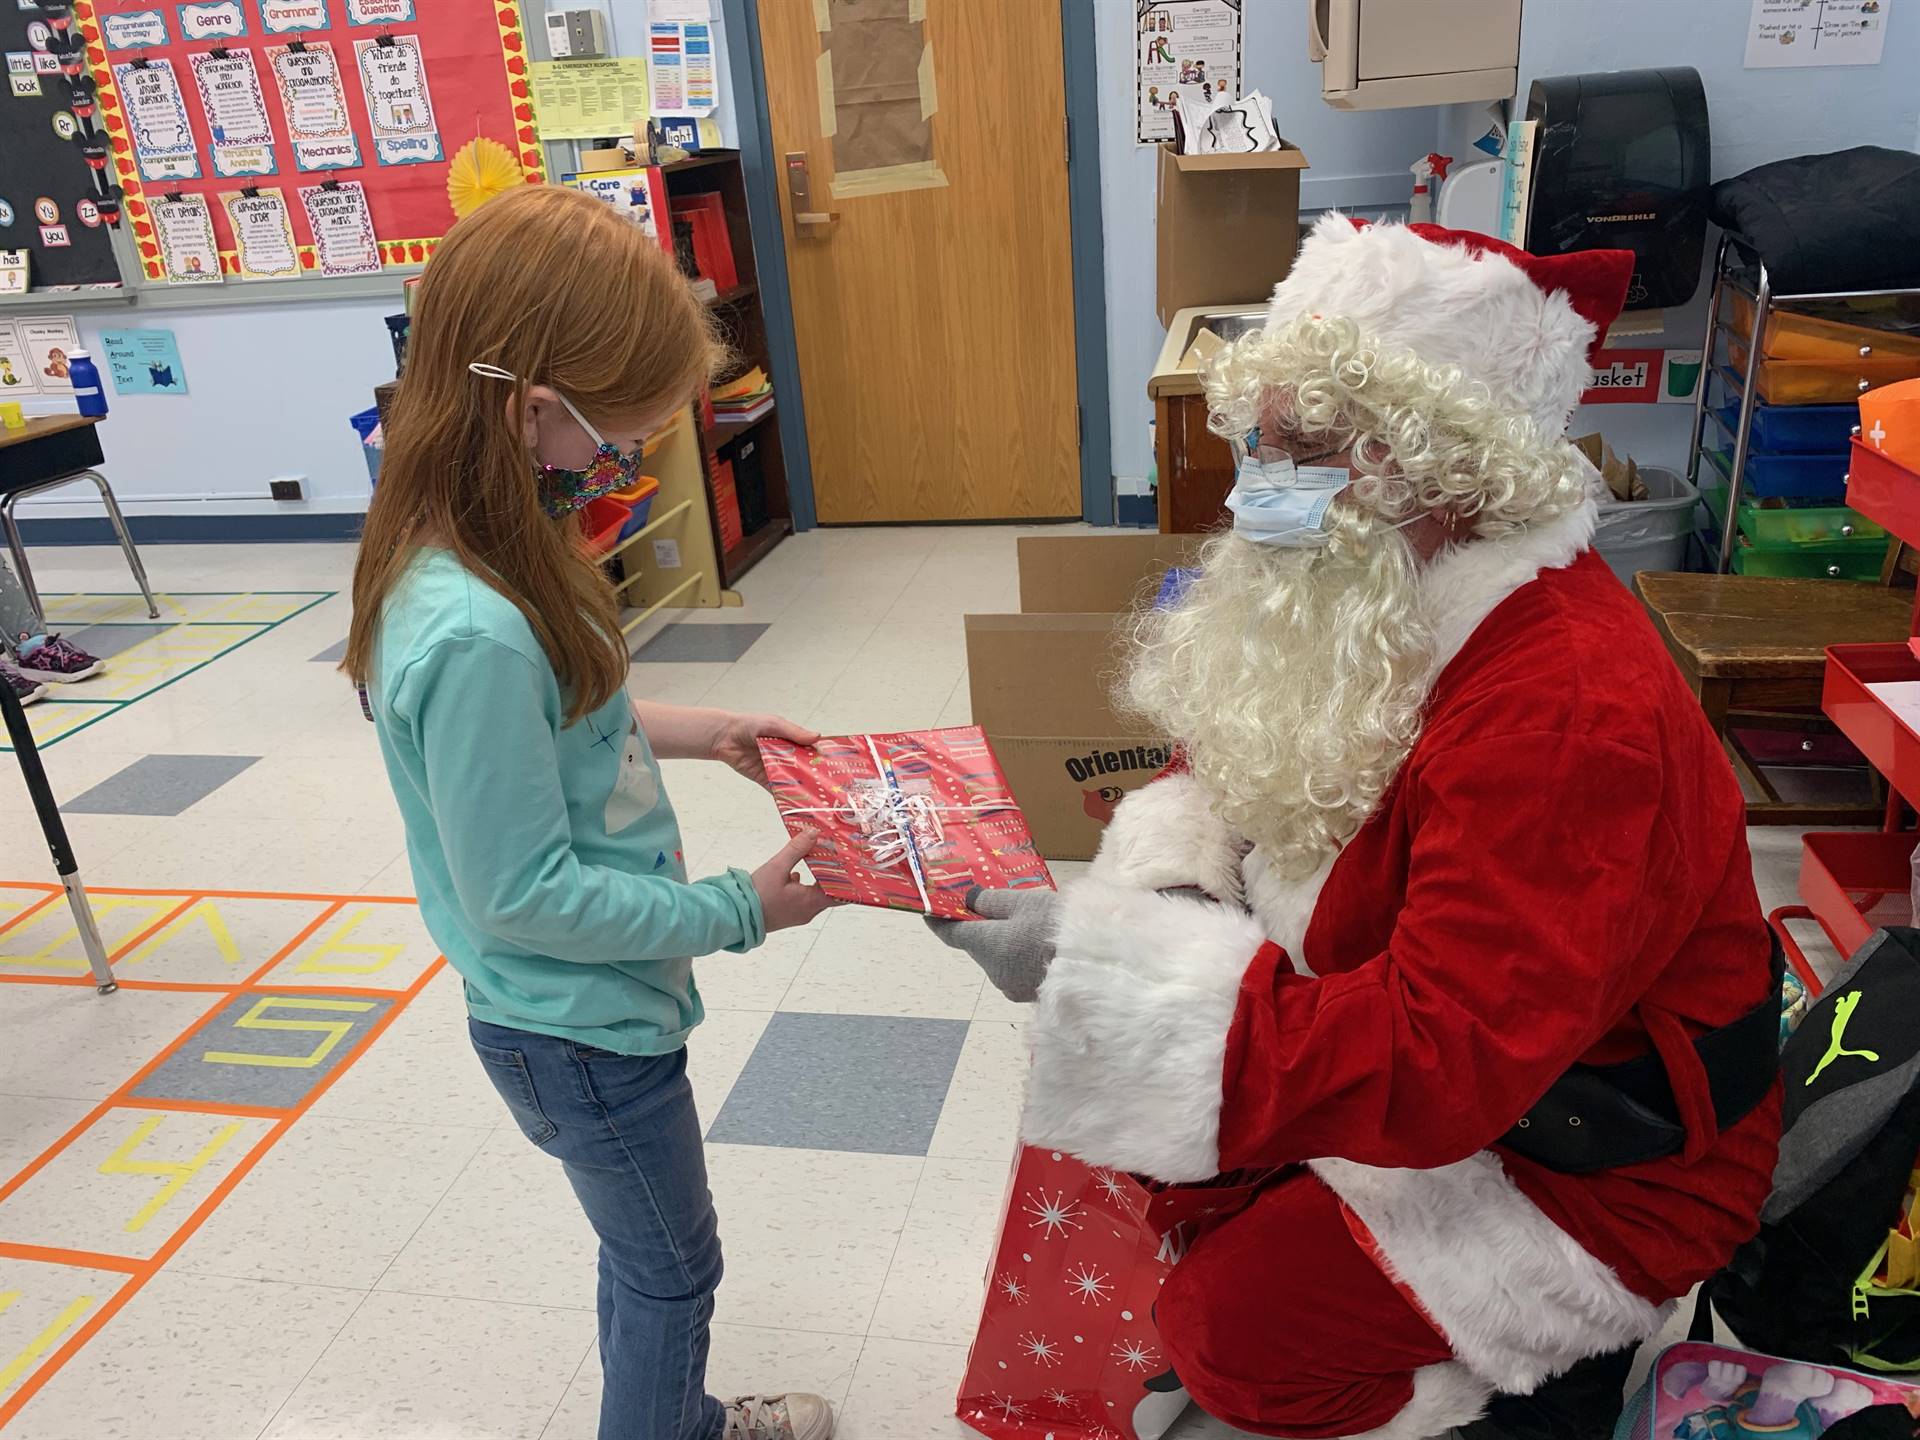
x: 934, y: 313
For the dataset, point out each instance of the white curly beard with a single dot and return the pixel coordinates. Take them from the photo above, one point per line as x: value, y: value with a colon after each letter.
x: 1294, y: 680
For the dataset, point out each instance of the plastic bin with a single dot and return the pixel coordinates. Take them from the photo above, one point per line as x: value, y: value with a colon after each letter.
x: 1650, y: 534
x: 600, y: 524
x: 366, y: 424
x: 1792, y: 522
x: 638, y: 498
x: 1804, y: 477
x: 1841, y: 560
x: 1791, y: 429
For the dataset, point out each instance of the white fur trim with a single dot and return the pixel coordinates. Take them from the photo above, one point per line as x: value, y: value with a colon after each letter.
x: 1284, y: 906
x: 1166, y: 835
x: 1514, y: 1294
x: 1464, y: 584
x: 1130, y: 1037
x: 1444, y: 1396
x: 1477, y: 312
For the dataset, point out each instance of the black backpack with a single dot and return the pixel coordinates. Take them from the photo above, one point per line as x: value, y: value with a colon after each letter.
x: 1803, y: 1287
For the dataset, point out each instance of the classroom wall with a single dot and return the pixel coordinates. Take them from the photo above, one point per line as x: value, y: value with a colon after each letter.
x: 1359, y: 159
x: 270, y: 387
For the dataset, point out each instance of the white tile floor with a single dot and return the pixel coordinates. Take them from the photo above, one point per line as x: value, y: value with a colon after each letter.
x: 403, y: 1264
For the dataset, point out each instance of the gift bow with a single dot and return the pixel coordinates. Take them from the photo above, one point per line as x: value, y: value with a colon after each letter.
x: 896, y: 822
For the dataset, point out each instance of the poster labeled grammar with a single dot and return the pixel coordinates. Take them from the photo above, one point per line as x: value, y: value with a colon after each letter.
x: 1183, y: 48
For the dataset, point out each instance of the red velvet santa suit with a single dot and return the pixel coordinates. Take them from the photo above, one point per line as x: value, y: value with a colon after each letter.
x: 1559, y: 873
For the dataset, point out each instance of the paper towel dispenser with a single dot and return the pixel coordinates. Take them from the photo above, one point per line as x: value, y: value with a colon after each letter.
x: 1385, y: 54
x: 1621, y: 161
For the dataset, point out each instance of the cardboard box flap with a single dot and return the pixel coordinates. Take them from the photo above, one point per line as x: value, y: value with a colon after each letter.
x: 1286, y: 158
x: 1098, y: 574
x: 1044, y: 674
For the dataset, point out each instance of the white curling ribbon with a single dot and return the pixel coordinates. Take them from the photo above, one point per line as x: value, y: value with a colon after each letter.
x: 897, y: 824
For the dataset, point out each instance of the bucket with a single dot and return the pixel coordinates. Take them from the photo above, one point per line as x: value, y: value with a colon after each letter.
x: 1649, y: 534
x: 366, y: 424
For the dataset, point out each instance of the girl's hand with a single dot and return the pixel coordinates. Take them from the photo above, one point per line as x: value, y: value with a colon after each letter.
x: 736, y: 741
x: 785, y: 899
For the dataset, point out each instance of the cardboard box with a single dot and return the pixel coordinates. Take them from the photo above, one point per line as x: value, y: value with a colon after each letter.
x: 1042, y: 681
x: 1227, y: 227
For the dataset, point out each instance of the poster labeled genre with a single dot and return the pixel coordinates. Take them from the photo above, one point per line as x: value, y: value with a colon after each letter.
x: 16, y: 370
x: 189, y: 255
x: 134, y: 29
x: 156, y: 115
x: 315, y: 102
x: 144, y: 362
x: 49, y: 340
x: 262, y: 234
x: 394, y: 76
x: 236, y: 110
x: 212, y: 20
x: 342, y: 228
x: 1182, y: 49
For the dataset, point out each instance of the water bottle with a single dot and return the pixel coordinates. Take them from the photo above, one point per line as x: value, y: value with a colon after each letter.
x: 86, y: 383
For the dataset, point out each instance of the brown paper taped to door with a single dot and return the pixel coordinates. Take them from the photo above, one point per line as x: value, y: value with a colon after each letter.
x: 877, y: 97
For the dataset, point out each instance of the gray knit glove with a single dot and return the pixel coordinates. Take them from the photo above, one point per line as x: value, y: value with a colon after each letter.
x: 1013, y: 944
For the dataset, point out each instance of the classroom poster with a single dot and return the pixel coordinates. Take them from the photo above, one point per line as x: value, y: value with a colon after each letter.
x: 1784, y: 34
x: 1187, y: 48
x: 134, y: 29
x: 236, y: 110
x: 379, y: 12
x: 212, y: 20
x: 667, y: 50
x: 189, y: 254
x: 156, y: 115
x: 393, y: 74
x: 144, y: 362
x: 16, y: 369
x: 282, y: 17
x: 703, y: 88
x: 262, y: 234
x: 48, y: 341
x: 315, y: 102
x: 625, y: 190
x: 589, y: 99
x: 342, y: 228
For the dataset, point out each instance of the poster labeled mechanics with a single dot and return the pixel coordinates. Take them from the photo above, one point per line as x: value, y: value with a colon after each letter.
x: 157, y: 120
x: 315, y: 102
x: 394, y: 76
x: 1183, y: 48
x: 236, y: 109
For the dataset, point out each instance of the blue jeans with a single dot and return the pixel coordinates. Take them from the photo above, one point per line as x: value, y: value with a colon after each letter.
x: 624, y: 1128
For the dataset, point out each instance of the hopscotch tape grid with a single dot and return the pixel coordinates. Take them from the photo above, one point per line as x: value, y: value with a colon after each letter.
x: 299, y: 1015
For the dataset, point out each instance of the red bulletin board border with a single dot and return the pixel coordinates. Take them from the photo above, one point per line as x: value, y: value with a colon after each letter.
x: 407, y: 224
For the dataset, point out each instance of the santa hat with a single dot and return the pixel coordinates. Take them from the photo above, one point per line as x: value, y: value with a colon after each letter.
x: 1525, y: 326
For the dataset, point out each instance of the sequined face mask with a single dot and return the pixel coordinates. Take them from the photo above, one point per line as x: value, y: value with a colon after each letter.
x: 564, y: 489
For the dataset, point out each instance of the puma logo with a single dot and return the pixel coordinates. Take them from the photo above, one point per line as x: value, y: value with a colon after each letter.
x: 1836, y: 1047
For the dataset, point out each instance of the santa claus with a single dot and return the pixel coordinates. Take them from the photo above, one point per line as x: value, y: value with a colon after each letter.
x: 1447, y: 916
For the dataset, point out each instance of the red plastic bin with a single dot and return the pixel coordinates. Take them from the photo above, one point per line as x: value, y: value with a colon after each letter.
x: 1890, y: 745
x: 600, y: 524
x: 1885, y: 491
x: 1856, y: 881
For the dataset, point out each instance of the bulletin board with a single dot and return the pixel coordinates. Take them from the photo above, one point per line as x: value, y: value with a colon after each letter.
x: 222, y: 113
x: 48, y: 200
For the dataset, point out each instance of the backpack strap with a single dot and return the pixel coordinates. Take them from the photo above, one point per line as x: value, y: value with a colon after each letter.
x: 1600, y: 1117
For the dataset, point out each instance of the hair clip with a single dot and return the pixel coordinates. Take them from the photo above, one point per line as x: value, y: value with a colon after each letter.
x: 220, y: 52
x: 298, y: 47
x: 140, y: 62
x: 172, y: 197
x: 329, y: 185
x: 250, y: 192
x: 384, y: 39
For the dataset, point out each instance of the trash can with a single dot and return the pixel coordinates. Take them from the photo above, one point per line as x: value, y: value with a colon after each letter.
x: 1649, y: 534
x: 366, y: 424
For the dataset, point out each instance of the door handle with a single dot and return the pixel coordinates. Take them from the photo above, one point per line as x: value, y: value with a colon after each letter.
x: 800, y: 192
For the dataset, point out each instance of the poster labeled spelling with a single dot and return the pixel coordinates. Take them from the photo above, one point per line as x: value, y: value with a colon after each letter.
x: 189, y: 255
x: 144, y: 362
x: 236, y: 109
x: 1183, y: 48
x: 156, y: 114
x: 315, y: 102
x: 342, y: 228
x: 262, y: 234
x: 394, y: 76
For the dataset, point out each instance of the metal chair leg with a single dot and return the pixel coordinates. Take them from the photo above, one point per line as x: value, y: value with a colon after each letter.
x: 17, y: 548
x: 119, y: 522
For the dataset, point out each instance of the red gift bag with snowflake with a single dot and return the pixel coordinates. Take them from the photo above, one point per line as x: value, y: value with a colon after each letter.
x: 1066, y: 1348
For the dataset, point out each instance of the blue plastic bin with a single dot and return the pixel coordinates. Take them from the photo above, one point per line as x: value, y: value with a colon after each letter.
x: 366, y: 424
x: 1806, y: 477
x: 1793, y: 429
x: 637, y: 518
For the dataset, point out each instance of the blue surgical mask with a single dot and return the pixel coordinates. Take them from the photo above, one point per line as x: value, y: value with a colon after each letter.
x: 1277, y: 502
x: 564, y: 489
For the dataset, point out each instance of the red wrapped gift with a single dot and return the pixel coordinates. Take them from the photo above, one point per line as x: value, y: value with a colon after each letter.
x: 1066, y: 1346
x: 914, y: 820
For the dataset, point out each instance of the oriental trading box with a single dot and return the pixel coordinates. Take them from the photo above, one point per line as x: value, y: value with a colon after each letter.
x: 1042, y: 681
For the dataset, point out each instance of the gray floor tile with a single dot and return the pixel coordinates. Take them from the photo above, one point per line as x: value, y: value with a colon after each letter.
x: 722, y: 644
x: 866, y: 1083
x: 333, y: 654
x: 103, y: 642
x: 159, y: 785
x: 265, y: 1049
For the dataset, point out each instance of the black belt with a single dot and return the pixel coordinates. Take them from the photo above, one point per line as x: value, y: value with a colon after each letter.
x: 1600, y: 1117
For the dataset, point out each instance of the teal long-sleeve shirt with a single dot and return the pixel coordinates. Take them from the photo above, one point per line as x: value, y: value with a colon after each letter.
x: 547, y: 857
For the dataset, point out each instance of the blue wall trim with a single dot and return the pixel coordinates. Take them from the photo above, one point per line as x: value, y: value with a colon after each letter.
x: 1089, y: 259
x: 194, y: 529
x: 761, y: 168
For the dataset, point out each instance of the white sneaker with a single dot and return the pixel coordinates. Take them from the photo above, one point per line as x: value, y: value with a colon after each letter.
x: 795, y: 1416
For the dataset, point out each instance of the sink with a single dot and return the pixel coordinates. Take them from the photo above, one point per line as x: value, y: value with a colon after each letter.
x: 1229, y: 325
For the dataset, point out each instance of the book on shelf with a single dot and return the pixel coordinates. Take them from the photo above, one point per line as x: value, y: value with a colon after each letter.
x: 736, y: 415
x: 708, y: 247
